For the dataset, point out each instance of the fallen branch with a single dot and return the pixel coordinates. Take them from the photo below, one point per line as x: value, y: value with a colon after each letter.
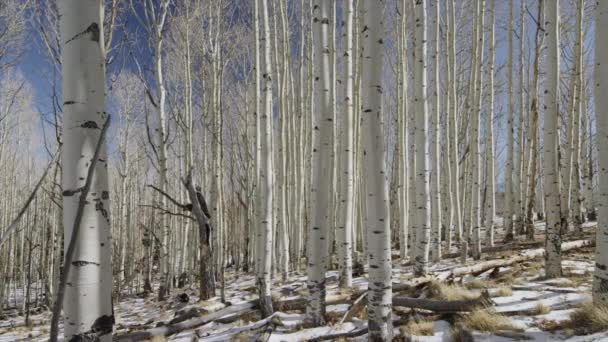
x: 167, y: 330
x: 523, y: 256
x: 358, y: 304
x: 444, y: 306
x: 232, y: 333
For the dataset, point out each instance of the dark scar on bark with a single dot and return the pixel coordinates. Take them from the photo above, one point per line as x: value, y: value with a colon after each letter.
x: 84, y: 263
x: 93, y: 29
x: 90, y: 124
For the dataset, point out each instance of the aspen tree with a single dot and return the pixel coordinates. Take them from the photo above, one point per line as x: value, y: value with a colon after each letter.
x: 266, y: 177
x: 376, y: 185
x: 578, y: 115
x: 87, y: 305
x: 422, y: 152
x: 402, y: 130
x: 453, y: 120
x: 509, y: 193
x: 572, y: 147
x: 436, y: 147
x: 490, y: 196
x: 321, y: 158
x: 448, y: 144
x: 344, y: 231
x: 532, y: 148
x: 475, y: 171
x: 553, y: 258
x: 519, y: 210
x: 600, y: 277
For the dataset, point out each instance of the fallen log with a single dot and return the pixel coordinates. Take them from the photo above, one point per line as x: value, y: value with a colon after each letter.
x: 359, y: 331
x: 167, y: 330
x: 481, y: 267
x: 444, y: 306
x: 232, y: 333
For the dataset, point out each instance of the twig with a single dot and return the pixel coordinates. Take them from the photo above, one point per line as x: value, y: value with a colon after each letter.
x: 75, y: 230
x: 183, y: 206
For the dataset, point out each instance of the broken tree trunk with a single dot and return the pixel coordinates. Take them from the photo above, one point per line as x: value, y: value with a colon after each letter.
x: 167, y: 330
x: 523, y: 256
x: 444, y: 306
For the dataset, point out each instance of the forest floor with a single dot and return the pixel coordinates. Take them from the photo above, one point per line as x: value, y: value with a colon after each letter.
x: 522, y: 305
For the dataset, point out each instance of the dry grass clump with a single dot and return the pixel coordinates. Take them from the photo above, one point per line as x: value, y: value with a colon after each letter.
x: 589, y: 319
x: 419, y: 328
x: 441, y: 291
x: 487, y: 320
x: 540, y: 309
x: 477, y: 284
x: 503, y: 292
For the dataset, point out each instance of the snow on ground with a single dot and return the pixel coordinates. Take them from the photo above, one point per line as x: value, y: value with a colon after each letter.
x: 560, y: 295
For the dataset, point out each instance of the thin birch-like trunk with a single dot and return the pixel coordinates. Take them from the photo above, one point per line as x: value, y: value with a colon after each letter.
x: 376, y: 185
x: 475, y: 171
x: 344, y: 231
x: 509, y: 193
x: 435, y: 111
x: 265, y: 181
x: 553, y: 258
x: 321, y: 159
x: 600, y: 277
x: 422, y: 152
x: 87, y: 302
x: 490, y: 194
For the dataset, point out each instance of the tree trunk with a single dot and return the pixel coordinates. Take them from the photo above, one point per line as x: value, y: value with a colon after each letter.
x: 509, y: 198
x: 553, y: 258
x: 376, y: 185
x: 266, y: 178
x: 490, y: 198
x: 321, y: 159
x: 422, y: 214
x: 436, y: 148
x: 600, y: 279
x: 344, y: 231
x: 87, y: 305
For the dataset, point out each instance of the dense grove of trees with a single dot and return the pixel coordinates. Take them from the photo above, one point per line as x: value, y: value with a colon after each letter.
x: 274, y: 137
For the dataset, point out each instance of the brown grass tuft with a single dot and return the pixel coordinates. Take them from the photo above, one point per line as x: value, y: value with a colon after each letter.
x: 441, y: 291
x: 503, y: 292
x: 420, y: 328
x: 487, y: 320
x: 477, y: 284
x: 540, y: 309
x: 589, y: 318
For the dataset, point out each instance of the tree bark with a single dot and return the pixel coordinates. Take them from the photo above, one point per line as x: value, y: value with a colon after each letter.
x: 87, y: 306
x: 553, y: 257
x: 600, y: 278
x: 376, y: 185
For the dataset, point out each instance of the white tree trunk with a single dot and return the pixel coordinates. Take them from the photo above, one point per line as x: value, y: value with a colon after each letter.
x: 551, y: 171
x: 87, y: 305
x: 376, y: 185
x: 490, y: 198
x: 344, y: 231
x: 519, y: 188
x: 509, y: 193
x: 321, y: 160
x: 600, y: 279
x: 476, y: 159
x: 453, y: 122
x: 266, y: 178
x: 422, y: 215
x: 436, y: 147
